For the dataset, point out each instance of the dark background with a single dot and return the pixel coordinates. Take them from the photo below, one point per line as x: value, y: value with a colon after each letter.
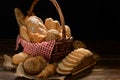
x: 88, y: 20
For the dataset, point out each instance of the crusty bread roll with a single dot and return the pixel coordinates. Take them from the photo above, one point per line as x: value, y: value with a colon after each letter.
x: 79, y: 57
x: 34, y: 65
x: 48, y: 22
x: 56, y: 25
x: 20, y: 57
x: 52, y: 34
x: 52, y: 24
x: 68, y: 31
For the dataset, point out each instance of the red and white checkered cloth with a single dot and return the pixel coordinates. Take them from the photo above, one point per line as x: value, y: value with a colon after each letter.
x: 34, y: 49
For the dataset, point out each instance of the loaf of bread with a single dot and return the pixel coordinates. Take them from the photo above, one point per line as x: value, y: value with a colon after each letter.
x: 19, y: 17
x: 35, y: 24
x: 24, y: 33
x: 77, y: 58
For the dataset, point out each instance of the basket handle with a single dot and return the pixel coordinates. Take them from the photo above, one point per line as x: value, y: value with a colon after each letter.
x: 32, y: 7
x: 62, y: 21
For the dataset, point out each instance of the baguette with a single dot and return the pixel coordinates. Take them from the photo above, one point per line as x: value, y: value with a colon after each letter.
x: 24, y: 33
x: 20, y: 17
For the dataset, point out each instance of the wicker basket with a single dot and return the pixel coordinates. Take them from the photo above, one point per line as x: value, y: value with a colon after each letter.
x: 62, y: 47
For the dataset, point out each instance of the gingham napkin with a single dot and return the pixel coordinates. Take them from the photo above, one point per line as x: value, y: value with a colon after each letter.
x: 34, y: 49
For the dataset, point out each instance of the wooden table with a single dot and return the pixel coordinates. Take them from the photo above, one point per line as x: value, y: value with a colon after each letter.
x: 107, y: 68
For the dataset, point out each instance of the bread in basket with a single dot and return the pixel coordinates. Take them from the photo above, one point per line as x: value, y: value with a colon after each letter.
x: 53, y: 41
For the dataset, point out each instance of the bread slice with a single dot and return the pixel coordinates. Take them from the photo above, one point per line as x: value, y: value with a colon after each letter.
x: 76, y: 58
x: 62, y: 72
x: 68, y: 64
x: 70, y: 60
x: 64, y: 68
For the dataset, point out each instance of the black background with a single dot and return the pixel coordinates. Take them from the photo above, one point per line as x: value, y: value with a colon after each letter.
x: 88, y: 20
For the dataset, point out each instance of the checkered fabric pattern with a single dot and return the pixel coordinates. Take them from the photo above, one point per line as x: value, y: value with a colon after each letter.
x: 34, y: 49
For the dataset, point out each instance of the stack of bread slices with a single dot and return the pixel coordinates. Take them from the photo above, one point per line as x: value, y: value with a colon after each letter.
x: 80, y: 57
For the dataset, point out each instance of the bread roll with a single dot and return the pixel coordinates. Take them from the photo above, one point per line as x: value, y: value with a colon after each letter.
x: 48, y: 22
x: 56, y: 25
x: 52, y: 34
x: 20, y: 57
x: 34, y: 65
x: 68, y: 31
x: 52, y: 24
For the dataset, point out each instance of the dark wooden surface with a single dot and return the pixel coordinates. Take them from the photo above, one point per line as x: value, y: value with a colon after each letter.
x: 107, y: 68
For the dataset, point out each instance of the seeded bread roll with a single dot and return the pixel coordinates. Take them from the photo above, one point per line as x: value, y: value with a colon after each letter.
x: 76, y: 60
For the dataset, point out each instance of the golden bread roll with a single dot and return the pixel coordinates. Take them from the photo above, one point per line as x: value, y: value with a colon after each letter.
x: 68, y: 31
x: 34, y: 65
x: 24, y: 34
x: 52, y: 34
x: 36, y: 37
x: 20, y: 57
x: 55, y: 25
x: 48, y: 23
x: 52, y: 24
